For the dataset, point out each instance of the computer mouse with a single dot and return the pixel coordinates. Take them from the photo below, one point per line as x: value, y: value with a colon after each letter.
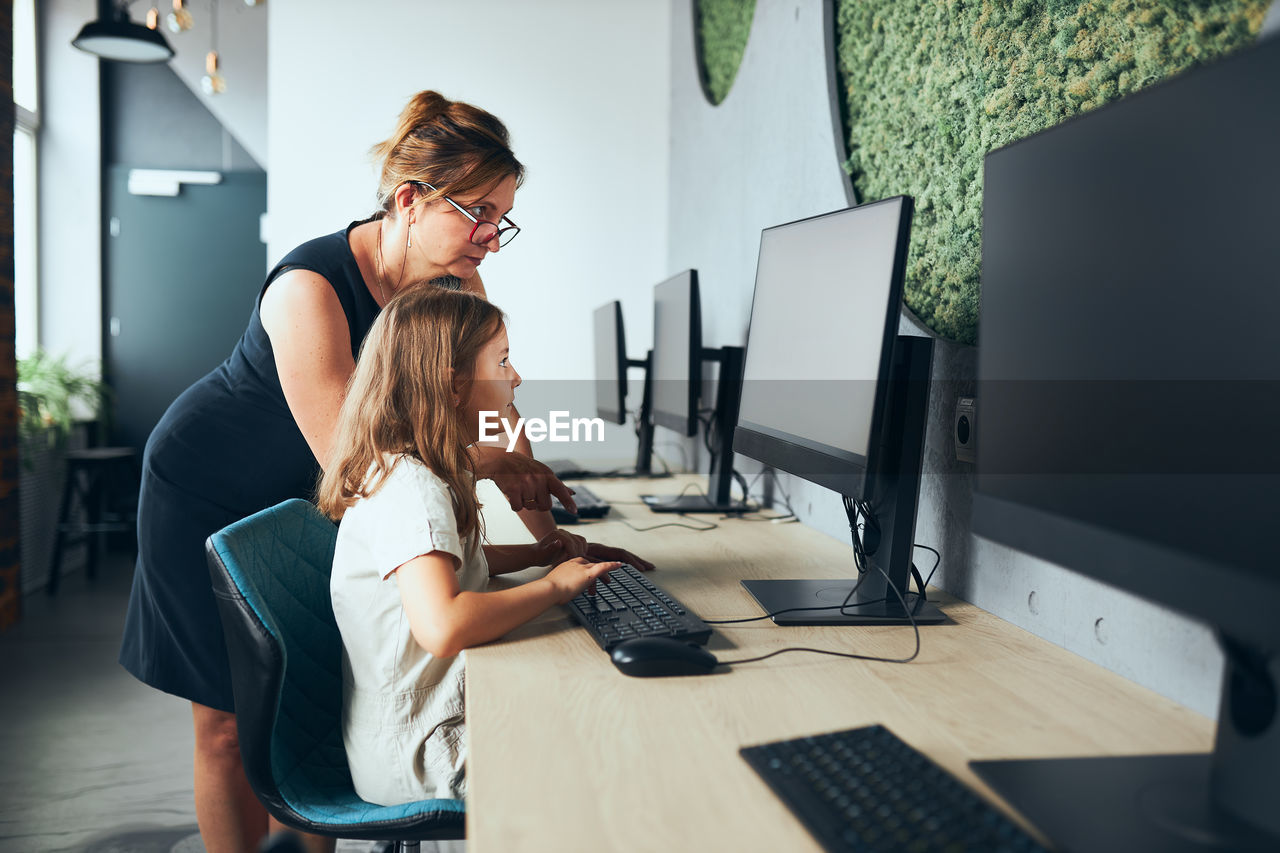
x: 649, y: 657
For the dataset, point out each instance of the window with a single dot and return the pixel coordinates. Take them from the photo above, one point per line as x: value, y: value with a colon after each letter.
x: 26, y: 292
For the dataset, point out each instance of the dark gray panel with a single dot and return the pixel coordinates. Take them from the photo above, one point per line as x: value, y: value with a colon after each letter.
x: 152, y: 120
x: 182, y: 276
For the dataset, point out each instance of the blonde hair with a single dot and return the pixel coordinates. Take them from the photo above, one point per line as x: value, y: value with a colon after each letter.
x: 400, y: 400
x: 457, y: 148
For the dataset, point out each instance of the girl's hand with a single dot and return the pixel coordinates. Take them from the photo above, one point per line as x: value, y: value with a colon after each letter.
x: 573, y: 545
x: 553, y: 548
x: 573, y: 576
x: 597, y: 551
x: 570, y: 545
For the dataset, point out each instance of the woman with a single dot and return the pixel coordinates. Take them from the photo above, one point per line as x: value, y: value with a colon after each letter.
x: 252, y: 432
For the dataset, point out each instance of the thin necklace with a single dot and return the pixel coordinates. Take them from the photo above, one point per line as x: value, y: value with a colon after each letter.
x: 377, y: 254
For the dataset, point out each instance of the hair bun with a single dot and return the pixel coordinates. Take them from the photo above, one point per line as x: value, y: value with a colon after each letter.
x: 451, y: 145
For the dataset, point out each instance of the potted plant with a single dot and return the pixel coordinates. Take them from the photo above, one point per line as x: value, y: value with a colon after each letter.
x: 54, y: 398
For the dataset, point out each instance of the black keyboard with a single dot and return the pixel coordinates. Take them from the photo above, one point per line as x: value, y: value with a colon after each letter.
x: 566, y: 469
x: 867, y: 790
x: 589, y: 505
x: 629, y: 606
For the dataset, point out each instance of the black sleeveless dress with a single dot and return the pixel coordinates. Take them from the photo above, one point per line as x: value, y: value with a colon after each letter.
x: 226, y: 448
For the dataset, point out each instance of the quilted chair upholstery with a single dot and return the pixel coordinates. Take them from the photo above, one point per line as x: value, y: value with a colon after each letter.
x: 270, y: 575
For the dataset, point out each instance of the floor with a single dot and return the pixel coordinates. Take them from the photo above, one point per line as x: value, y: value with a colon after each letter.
x: 92, y: 761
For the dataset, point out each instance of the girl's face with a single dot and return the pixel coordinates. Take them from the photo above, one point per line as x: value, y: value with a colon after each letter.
x: 493, y: 385
x: 442, y: 235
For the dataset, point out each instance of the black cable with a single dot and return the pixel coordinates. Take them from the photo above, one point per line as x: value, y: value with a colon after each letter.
x: 914, y: 628
x: 937, y: 561
x: 773, y: 475
x: 694, y: 488
x: 666, y: 469
x: 919, y: 594
x: 777, y: 484
x: 711, y: 525
x: 707, y: 428
x: 853, y: 509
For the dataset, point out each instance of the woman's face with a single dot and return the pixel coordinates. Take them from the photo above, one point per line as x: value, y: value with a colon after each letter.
x: 493, y: 386
x: 442, y: 235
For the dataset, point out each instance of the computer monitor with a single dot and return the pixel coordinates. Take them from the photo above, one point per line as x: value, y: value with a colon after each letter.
x: 677, y: 353
x: 833, y: 394
x: 677, y: 360
x: 611, y: 383
x: 611, y: 363
x: 1128, y: 402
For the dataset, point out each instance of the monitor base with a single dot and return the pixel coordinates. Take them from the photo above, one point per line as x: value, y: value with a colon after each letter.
x: 1138, y: 803
x: 566, y: 469
x: 692, y: 503
x: 774, y: 596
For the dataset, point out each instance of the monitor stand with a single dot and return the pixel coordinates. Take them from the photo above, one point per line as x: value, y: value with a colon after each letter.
x: 692, y: 503
x: 1165, y: 803
x: 566, y: 469
x: 728, y: 394
x: 774, y: 596
x: 892, y: 490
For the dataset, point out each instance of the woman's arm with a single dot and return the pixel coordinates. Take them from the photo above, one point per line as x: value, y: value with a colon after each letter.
x: 539, y: 521
x: 445, y: 620
x: 312, y: 346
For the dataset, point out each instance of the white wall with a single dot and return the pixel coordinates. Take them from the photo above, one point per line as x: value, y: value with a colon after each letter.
x: 583, y: 88
x: 71, y: 199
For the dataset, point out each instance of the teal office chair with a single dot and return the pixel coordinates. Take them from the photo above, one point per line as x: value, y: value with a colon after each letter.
x: 270, y: 576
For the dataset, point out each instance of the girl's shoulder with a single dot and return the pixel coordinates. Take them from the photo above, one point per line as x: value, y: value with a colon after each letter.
x: 407, y: 489
x: 405, y: 471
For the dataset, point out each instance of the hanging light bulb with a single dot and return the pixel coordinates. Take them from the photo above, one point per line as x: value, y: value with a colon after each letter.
x: 153, y: 18
x: 179, y: 19
x: 213, y: 82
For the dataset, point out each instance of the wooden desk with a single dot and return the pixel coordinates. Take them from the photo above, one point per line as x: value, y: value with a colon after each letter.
x: 568, y: 754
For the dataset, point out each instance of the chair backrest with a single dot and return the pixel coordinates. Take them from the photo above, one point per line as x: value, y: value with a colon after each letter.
x: 270, y: 576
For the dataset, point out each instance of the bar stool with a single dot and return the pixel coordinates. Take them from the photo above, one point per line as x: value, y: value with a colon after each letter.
x: 92, y: 503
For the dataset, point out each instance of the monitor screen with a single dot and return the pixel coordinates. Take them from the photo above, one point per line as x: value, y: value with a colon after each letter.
x: 677, y: 353
x: 833, y: 394
x: 824, y: 321
x: 1127, y: 398
x: 1128, y: 401
x: 611, y: 363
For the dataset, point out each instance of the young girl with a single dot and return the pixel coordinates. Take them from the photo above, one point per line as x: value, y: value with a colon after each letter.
x: 409, y: 571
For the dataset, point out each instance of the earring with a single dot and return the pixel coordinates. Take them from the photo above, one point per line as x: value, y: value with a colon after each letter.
x: 409, y: 242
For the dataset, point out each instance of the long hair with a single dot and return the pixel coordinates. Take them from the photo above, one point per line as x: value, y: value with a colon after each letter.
x: 400, y: 400
x: 457, y: 148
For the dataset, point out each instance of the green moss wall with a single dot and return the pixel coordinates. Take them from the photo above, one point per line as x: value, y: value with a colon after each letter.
x: 930, y: 86
x: 721, y: 28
